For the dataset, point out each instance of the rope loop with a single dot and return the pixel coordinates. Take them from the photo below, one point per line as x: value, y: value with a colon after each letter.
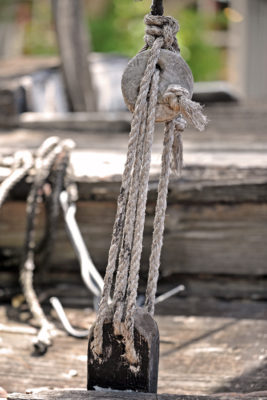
x: 160, y: 26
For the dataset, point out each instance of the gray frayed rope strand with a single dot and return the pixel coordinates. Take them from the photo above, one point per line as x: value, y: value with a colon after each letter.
x: 23, y: 163
x: 127, y: 237
x: 161, y: 27
x: 128, y: 231
x: 178, y: 99
x: 139, y: 225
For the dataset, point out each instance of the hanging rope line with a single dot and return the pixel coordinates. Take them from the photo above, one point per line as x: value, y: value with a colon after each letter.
x: 127, y: 238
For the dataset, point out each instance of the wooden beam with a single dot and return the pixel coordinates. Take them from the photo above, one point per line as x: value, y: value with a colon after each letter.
x: 80, y: 394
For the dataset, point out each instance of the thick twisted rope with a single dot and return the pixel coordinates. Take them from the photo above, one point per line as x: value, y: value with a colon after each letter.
x: 122, y: 200
x: 127, y: 238
x: 128, y: 231
x: 139, y: 225
x: 45, y: 158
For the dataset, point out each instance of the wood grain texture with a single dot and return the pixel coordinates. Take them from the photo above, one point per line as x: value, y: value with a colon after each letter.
x: 203, y: 355
x: 76, y: 394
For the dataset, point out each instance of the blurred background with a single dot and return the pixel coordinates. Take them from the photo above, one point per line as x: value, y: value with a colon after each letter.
x: 116, y: 27
x: 220, y: 40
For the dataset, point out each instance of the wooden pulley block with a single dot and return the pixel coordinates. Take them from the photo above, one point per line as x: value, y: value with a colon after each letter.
x: 173, y: 71
x: 112, y: 369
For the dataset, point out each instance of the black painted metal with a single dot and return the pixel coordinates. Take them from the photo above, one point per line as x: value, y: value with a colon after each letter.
x: 157, y: 7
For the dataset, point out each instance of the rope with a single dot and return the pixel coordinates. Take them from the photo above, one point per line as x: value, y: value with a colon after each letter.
x: 127, y: 237
x: 46, y: 156
x: 23, y: 163
x: 49, y: 171
x: 161, y: 206
x: 139, y: 224
x: 177, y: 147
x: 126, y: 248
x: 54, y: 188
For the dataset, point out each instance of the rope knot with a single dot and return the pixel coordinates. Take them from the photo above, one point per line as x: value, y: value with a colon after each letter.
x: 161, y: 27
x: 173, y: 95
x: 178, y: 99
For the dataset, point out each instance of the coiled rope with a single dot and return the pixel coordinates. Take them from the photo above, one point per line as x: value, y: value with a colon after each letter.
x: 127, y: 238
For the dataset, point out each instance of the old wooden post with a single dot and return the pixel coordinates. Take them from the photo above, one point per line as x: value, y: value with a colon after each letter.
x: 112, y: 370
x: 74, y: 48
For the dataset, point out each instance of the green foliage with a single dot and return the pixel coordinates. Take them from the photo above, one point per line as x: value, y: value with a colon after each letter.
x: 121, y: 30
x: 204, y: 59
x: 39, y: 37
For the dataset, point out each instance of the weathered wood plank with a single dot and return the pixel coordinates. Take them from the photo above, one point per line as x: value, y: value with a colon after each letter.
x: 218, y: 239
x: 199, y: 355
x: 78, y: 121
x: 11, y: 99
x: 79, y: 394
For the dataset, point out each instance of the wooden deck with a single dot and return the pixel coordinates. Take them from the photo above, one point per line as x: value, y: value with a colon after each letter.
x: 220, y: 351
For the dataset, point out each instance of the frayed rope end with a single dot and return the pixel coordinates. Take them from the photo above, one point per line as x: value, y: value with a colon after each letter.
x: 179, y: 100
